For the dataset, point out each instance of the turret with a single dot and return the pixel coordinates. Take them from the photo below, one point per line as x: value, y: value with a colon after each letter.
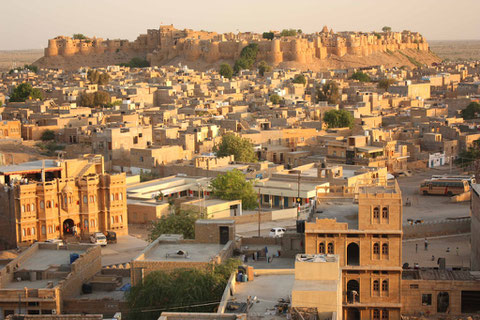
x: 277, y: 55
x: 52, y: 49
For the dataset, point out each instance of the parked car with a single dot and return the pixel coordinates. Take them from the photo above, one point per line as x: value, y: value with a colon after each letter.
x: 98, y: 238
x: 59, y: 241
x: 111, y: 236
x: 277, y: 232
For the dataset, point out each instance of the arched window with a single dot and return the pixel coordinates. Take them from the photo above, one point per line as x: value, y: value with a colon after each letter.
x: 42, y: 204
x: 49, y: 204
x: 116, y: 219
x: 116, y: 196
x: 376, y: 213
x: 121, y: 196
x: 376, y: 285
x: 24, y: 232
x: 28, y: 207
x: 65, y: 200
x: 113, y: 220
x: 28, y: 232
x: 121, y: 218
x: 385, y: 285
x: 85, y: 199
x: 321, y: 247
x: 384, y: 314
x: 92, y: 223
x: 376, y: 248
x: 330, y: 248
x: 385, y: 213
x: 23, y: 208
x: 85, y: 223
x: 385, y: 249
x: 33, y: 207
x: 376, y: 314
x: 44, y: 230
x: 50, y: 229
x: 111, y: 197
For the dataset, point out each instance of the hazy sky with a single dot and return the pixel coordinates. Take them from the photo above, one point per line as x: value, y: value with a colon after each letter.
x: 26, y: 24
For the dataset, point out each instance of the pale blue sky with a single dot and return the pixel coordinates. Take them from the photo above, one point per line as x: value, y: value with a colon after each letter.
x: 26, y: 24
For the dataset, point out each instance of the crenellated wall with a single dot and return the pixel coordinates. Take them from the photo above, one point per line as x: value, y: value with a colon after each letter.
x: 167, y: 43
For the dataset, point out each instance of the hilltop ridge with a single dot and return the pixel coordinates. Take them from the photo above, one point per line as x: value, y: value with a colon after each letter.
x: 203, y: 50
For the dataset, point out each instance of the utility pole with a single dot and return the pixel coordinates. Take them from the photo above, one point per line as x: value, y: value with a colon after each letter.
x: 298, y: 195
x: 259, y: 200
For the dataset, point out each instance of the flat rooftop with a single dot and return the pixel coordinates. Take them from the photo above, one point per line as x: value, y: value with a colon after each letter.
x: 343, y: 212
x: 268, y: 289
x: 44, y: 259
x: 30, y: 167
x: 197, y: 252
x: 437, y: 274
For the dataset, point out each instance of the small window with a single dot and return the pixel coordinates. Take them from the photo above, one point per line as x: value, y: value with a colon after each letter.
x: 385, y: 213
x: 49, y: 204
x: 376, y: 285
x: 42, y: 204
x: 385, y: 249
x: 376, y: 248
x: 385, y: 285
x: 121, y: 196
x: 85, y: 199
x: 24, y: 233
x: 414, y: 286
x: 376, y: 213
x: 121, y: 218
x: 23, y: 208
x: 50, y: 229
x: 384, y: 314
x: 44, y: 230
x: 321, y: 247
x: 33, y: 231
x: 33, y: 207
x: 330, y: 248
x: 426, y: 299
x: 376, y: 314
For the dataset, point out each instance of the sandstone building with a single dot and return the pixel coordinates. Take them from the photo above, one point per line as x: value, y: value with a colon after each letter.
x: 367, y: 237
x: 44, y: 200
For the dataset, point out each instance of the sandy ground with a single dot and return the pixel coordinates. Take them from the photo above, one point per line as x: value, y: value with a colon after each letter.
x: 18, y: 58
x: 18, y: 152
x: 456, y: 50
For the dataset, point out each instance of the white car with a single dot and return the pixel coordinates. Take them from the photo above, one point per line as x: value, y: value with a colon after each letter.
x: 277, y: 232
x: 98, y: 238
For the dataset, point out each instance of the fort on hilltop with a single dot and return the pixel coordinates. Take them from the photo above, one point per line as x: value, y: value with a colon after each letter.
x: 206, y: 49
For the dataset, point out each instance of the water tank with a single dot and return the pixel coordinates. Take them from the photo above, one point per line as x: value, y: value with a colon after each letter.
x: 73, y: 257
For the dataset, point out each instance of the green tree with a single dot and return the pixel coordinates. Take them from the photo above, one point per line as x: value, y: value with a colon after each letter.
x: 199, y: 290
x: 268, y: 35
x: 226, y: 71
x: 288, y: 33
x: 90, y: 100
x: 240, y: 148
x: 338, y: 119
x: 472, y: 111
x: 25, y: 91
x: 385, y: 83
x: 79, y: 36
x: 247, y: 58
x: 48, y: 135
x: 234, y: 186
x: 178, y: 222
x: 329, y: 92
x: 299, y: 31
x: 300, y: 78
x: 470, y: 159
x: 360, y: 76
x: 275, y: 99
x: 97, y: 77
x: 386, y: 29
x: 136, y: 63
x: 263, y: 67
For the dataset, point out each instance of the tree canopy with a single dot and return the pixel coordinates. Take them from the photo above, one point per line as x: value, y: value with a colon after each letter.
x: 79, y: 36
x: 300, y: 78
x: 386, y: 29
x: 470, y: 158
x: 97, y: 77
x: 136, y: 63
x: 288, y: 33
x: 226, y: 71
x: 338, y: 119
x: 233, y: 186
x: 241, y: 148
x: 263, y: 67
x: 329, y: 92
x: 95, y: 99
x: 25, y: 91
x: 180, y: 290
x: 268, y: 35
x: 385, y: 83
x: 360, y: 76
x: 247, y: 58
x: 48, y: 135
x: 178, y: 222
x: 275, y: 99
x: 472, y: 111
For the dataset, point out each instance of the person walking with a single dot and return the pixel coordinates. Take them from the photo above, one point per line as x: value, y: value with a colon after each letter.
x: 416, y: 247
x: 426, y: 244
